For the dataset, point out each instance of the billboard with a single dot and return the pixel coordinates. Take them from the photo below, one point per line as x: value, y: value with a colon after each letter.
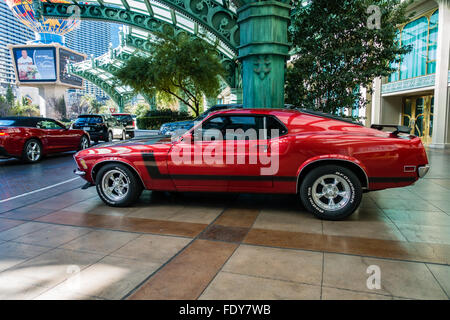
x: 35, y: 64
x: 65, y: 58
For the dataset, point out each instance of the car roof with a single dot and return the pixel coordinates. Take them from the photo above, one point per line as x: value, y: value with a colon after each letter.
x: 256, y: 111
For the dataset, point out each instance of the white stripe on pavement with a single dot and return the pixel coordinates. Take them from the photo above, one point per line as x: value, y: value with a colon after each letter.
x: 38, y: 190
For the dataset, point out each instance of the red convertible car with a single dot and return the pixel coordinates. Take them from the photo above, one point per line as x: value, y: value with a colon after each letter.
x: 30, y: 138
x: 329, y: 163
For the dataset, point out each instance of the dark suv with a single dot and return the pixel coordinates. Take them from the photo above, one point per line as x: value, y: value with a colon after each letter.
x: 128, y: 122
x: 100, y: 127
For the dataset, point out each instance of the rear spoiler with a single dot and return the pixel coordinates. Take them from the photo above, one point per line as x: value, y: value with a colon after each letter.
x: 398, y: 128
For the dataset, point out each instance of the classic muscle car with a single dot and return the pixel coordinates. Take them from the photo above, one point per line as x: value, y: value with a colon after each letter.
x: 29, y: 138
x: 327, y: 162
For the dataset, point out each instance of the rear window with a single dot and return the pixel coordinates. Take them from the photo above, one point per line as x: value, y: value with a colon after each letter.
x: 17, y: 123
x: 122, y: 117
x: 8, y: 123
x: 89, y: 120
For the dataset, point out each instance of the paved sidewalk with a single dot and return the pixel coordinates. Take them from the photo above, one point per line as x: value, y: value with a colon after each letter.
x: 222, y: 246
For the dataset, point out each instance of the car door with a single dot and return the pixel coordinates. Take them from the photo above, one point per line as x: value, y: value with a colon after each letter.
x: 54, y: 133
x: 197, y: 163
x: 247, y: 148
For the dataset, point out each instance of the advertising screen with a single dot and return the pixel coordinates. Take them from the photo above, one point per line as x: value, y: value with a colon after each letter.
x: 65, y: 58
x: 35, y: 64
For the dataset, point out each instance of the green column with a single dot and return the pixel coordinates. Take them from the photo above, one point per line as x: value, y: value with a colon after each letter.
x: 263, y: 52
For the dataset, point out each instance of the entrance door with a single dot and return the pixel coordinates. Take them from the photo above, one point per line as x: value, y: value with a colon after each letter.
x: 418, y: 116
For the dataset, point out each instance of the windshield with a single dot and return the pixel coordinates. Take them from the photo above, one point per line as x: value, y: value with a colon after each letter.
x: 89, y: 120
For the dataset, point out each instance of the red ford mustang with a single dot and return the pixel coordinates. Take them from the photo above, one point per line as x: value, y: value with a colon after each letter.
x: 329, y: 163
x: 29, y: 138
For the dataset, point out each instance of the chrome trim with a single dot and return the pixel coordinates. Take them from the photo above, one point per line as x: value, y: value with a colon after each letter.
x: 423, y: 170
x: 127, y: 164
x: 334, y: 159
x: 79, y: 172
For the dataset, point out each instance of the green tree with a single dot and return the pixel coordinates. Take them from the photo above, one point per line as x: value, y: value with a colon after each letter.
x: 93, y: 105
x: 141, y: 110
x: 4, y: 107
x: 340, y: 46
x: 10, y: 96
x: 180, y: 67
x: 23, y: 107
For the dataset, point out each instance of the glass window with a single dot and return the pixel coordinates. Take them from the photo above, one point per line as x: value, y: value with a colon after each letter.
x: 274, y: 124
x: 48, y: 124
x: 83, y: 120
x: 414, y: 34
x: 421, y: 35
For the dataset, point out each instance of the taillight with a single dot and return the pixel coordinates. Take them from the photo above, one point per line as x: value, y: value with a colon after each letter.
x: 3, y: 134
x: 134, y: 124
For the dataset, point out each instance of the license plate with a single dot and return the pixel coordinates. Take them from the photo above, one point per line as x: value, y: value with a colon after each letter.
x: 86, y: 128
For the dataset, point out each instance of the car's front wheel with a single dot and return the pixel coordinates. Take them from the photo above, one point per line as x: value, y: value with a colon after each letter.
x: 331, y: 192
x: 32, y: 151
x: 117, y: 185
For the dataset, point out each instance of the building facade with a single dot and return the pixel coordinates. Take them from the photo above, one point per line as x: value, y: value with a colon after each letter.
x: 12, y: 31
x: 92, y: 38
x: 417, y: 94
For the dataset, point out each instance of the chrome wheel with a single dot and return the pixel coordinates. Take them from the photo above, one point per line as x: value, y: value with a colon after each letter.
x: 331, y: 192
x: 115, y: 185
x: 110, y: 137
x: 33, y: 151
x: 84, y: 143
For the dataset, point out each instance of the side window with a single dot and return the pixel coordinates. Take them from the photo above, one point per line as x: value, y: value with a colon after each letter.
x: 48, y: 124
x: 212, y: 129
x: 274, y: 124
x: 243, y: 128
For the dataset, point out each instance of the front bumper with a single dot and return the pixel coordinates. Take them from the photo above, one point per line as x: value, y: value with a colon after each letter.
x: 423, y: 170
x: 79, y: 172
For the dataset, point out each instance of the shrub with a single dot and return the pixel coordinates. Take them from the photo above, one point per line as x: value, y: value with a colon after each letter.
x: 155, y: 118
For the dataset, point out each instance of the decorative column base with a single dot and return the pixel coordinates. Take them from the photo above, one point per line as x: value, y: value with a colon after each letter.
x: 263, y: 52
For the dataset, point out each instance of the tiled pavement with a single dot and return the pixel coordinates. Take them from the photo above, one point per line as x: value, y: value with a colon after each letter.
x: 222, y: 246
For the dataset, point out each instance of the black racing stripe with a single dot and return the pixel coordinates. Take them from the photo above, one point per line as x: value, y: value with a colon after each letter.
x: 391, y: 179
x: 152, y: 167
x: 153, y: 171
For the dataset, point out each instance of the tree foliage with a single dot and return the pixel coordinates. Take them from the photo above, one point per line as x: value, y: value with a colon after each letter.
x: 179, y: 67
x: 341, y: 46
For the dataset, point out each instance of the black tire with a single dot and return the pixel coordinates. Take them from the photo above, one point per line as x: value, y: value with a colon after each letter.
x: 110, y: 136
x: 131, y: 135
x: 95, y: 140
x: 133, y: 192
x: 347, y: 184
x: 82, y: 144
x: 30, y: 156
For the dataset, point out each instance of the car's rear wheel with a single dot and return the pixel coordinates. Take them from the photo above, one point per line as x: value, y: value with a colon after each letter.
x: 84, y: 143
x: 124, y: 135
x: 117, y: 185
x: 32, y: 151
x: 110, y: 136
x: 331, y: 192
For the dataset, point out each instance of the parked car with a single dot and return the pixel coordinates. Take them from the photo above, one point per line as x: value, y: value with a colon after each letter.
x: 180, y: 127
x: 127, y: 121
x: 100, y: 127
x: 30, y: 138
x: 327, y: 162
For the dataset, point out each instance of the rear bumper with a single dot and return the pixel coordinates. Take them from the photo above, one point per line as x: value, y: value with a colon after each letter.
x: 4, y: 154
x: 423, y: 170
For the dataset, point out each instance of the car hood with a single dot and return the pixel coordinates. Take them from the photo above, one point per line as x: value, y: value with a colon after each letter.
x: 143, y: 144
